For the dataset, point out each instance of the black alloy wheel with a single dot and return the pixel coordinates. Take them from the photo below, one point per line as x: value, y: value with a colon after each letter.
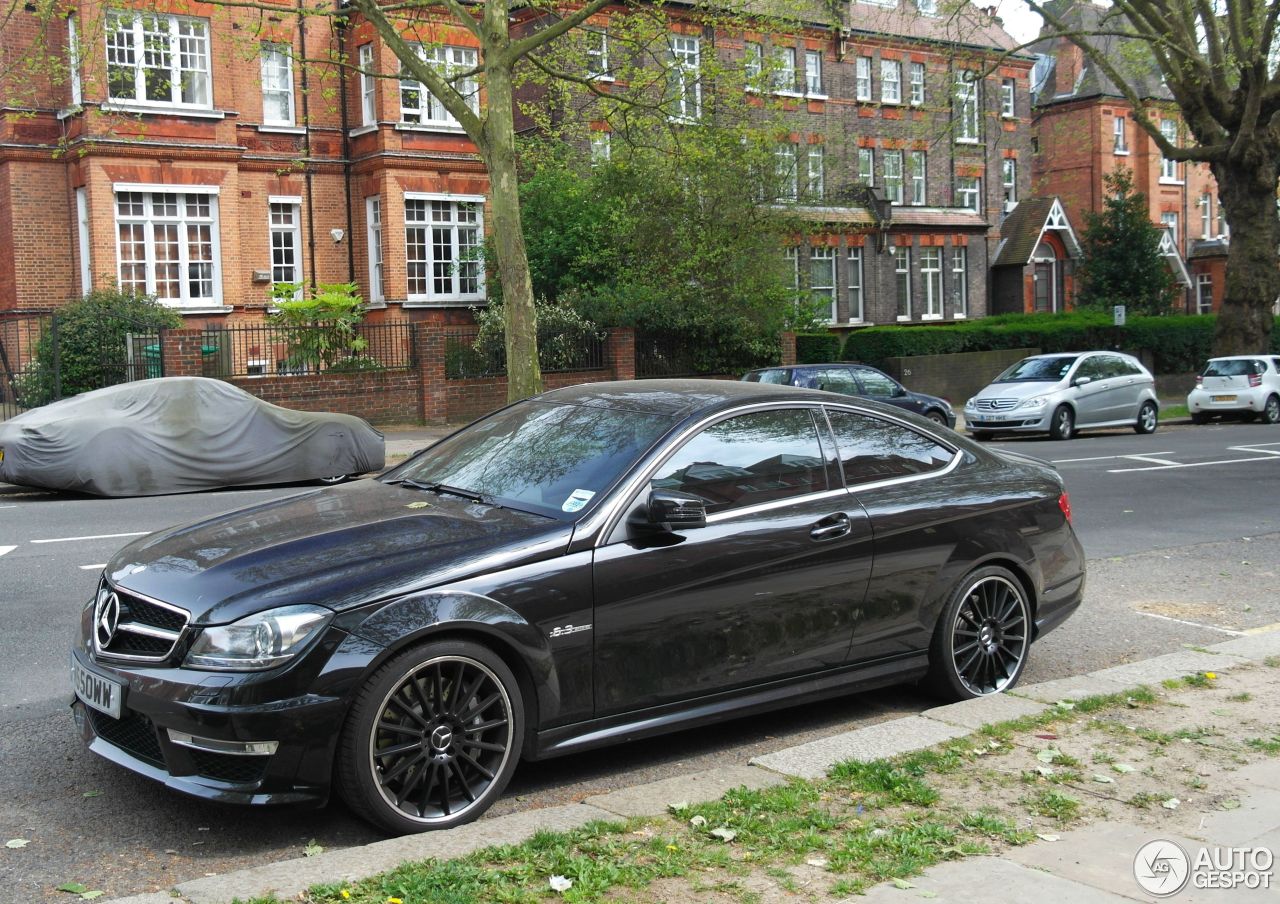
x: 1271, y: 410
x: 1063, y: 423
x: 1148, y: 418
x: 432, y: 738
x: 981, y: 642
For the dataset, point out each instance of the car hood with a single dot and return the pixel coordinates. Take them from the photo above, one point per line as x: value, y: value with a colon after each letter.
x: 1020, y: 390
x: 337, y: 547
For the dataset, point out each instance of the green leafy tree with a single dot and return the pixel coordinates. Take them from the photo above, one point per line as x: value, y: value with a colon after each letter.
x: 1122, y: 261
x: 323, y: 326
x: 92, y: 342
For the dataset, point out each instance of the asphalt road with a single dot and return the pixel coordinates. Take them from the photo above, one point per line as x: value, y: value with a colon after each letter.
x: 1182, y: 531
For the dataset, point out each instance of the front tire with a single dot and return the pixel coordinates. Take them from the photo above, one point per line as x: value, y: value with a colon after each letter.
x: 432, y: 738
x: 1063, y: 423
x: 1148, y: 418
x: 936, y: 416
x: 1271, y: 410
x: 982, y: 638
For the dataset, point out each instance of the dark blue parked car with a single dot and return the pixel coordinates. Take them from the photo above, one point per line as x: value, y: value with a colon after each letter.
x: 857, y: 380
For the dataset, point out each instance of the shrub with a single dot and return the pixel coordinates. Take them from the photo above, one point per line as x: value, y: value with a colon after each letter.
x: 565, y: 337
x: 817, y: 348
x: 92, y: 336
x: 326, y: 324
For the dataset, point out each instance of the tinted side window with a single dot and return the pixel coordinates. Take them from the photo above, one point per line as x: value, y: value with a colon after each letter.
x: 748, y: 459
x: 871, y: 449
x: 1130, y: 368
x: 836, y: 379
x: 780, y: 376
x: 1094, y: 368
x: 877, y: 385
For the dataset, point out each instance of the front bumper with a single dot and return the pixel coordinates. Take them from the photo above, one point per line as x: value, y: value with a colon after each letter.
x: 1014, y: 421
x: 221, y: 707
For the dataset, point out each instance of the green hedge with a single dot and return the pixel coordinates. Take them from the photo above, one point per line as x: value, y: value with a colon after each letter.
x: 1179, y: 343
x: 817, y: 348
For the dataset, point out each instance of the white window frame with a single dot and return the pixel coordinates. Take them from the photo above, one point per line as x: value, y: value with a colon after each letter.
x: 1169, y: 168
x: 752, y: 64
x: 931, y: 282
x: 815, y: 187
x: 601, y: 147
x: 786, y: 171
x: 185, y: 301
x: 684, y: 77
x: 967, y: 100
x: 1119, y: 137
x: 82, y: 236
x: 368, y: 86
x: 1206, y: 215
x: 287, y: 233
x: 73, y: 62
x: 782, y: 70
x: 373, y: 238
x: 1008, y: 98
x: 597, y: 54
x: 917, y: 73
x: 813, y: 73
x: 863, y: 85
x: 1204, y: 281
x: 791, y: 258
x: 959, y: 281
x: 902, y: 281
x: 445, y: 59
x: 890, y: 81
x: 894, y: 181
x: 969, y: 193
x: 187, y: 55
x: 453, y: 224
x: 867, y: 166
x: 1169, y: 220
x: 277, y: 81
x: 827, y: 288
x: 856, y: 298
x: 919, y: 178
x: 1009, y: 181
x: 927, y: 7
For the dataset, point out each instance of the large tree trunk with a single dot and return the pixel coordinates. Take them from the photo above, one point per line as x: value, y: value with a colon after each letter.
x: 1248, y: 189
x: 524, y: 376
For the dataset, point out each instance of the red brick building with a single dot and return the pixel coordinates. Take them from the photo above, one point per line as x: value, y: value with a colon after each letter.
x: 1084, y: 130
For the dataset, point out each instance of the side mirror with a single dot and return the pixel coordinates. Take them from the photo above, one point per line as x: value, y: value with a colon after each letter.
x: 1081, y: 381
x: 674, y: 510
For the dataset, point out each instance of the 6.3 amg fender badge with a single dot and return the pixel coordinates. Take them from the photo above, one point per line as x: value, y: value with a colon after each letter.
x: 566, y: 630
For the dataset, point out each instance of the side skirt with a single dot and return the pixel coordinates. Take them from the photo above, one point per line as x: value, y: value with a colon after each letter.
x: 710, y: 710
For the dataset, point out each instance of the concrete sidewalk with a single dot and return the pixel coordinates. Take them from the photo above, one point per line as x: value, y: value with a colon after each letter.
x: 1096, y: 863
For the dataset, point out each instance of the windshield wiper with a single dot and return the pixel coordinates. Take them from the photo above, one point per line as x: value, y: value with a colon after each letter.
x: 435, y: 487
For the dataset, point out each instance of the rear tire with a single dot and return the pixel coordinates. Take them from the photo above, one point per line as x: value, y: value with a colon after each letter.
x: 981, y: 641
x: 1063, y: 423
x: 1271, y: 410
x: 432, y: 738
x: 1199, y: 417
x: 1148, y: 418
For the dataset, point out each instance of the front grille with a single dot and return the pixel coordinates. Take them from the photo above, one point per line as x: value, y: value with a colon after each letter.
x: 225, y: 767
x: 995, y: 404
x: 144, y: 629
x: 134, y: 733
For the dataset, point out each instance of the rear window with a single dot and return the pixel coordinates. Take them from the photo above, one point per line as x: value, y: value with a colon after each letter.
x: 778, y: 376
x: 1235, y: 368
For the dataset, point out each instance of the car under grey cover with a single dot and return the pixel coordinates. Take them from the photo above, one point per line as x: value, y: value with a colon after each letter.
x: 179, y: 435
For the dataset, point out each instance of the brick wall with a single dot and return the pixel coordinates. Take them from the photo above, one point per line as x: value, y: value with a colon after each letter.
x: 387, y: 397
x: 954, y: 377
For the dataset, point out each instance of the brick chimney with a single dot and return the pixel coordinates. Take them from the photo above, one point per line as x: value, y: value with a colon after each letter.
x: 1070, y: 64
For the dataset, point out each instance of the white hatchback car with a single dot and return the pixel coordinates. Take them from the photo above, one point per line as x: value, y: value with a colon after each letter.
x: 1241, y: 385
x: 1060, y: 393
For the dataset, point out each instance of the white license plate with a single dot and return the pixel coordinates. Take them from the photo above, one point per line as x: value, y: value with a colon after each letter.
x: 98, y: 691
x: 1224, y: 398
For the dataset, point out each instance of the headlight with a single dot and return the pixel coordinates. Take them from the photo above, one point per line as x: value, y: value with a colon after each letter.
x: 1037, y: 402
x: 260, y: 641
x: 971, y: 404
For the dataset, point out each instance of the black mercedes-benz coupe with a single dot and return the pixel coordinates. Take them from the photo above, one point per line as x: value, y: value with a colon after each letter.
x: 596, y: 564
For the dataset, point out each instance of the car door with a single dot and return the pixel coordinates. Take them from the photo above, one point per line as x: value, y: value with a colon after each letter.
x: 1130, y: 381
x: 895, y: 474
x: 836, y: 379
x: 765, y: 591
x: 1092, y: 398
x: 884, y: 388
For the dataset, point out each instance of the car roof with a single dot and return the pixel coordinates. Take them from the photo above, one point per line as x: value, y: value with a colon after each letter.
x: 1244, y: 357
x: 679, y: 398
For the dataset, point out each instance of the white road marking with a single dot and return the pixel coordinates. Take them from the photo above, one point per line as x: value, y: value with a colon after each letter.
x: 7, y: 549
x: 1257, y: 447
x: 1152, y: 459
x: 93, y: 567
x: 1193, y: 464
x: 1183, y: 621
x: 1067, y: 461
x: 137, y: 533
x: 8, y: 506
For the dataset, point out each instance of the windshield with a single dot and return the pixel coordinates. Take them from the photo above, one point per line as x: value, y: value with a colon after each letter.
x: 551, y: 459
x: 780, y: 376
x: 1038, y: 370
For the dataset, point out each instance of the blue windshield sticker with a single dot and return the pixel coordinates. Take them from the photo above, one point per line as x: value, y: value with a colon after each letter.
x: 577, y: 499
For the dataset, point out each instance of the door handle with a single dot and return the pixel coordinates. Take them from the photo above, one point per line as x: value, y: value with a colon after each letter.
x: 831, y: 527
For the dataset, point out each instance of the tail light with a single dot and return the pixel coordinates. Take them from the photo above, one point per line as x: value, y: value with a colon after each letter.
x: 1199, y: 380
x: 1064, y: 503
x: 1255, y: 380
